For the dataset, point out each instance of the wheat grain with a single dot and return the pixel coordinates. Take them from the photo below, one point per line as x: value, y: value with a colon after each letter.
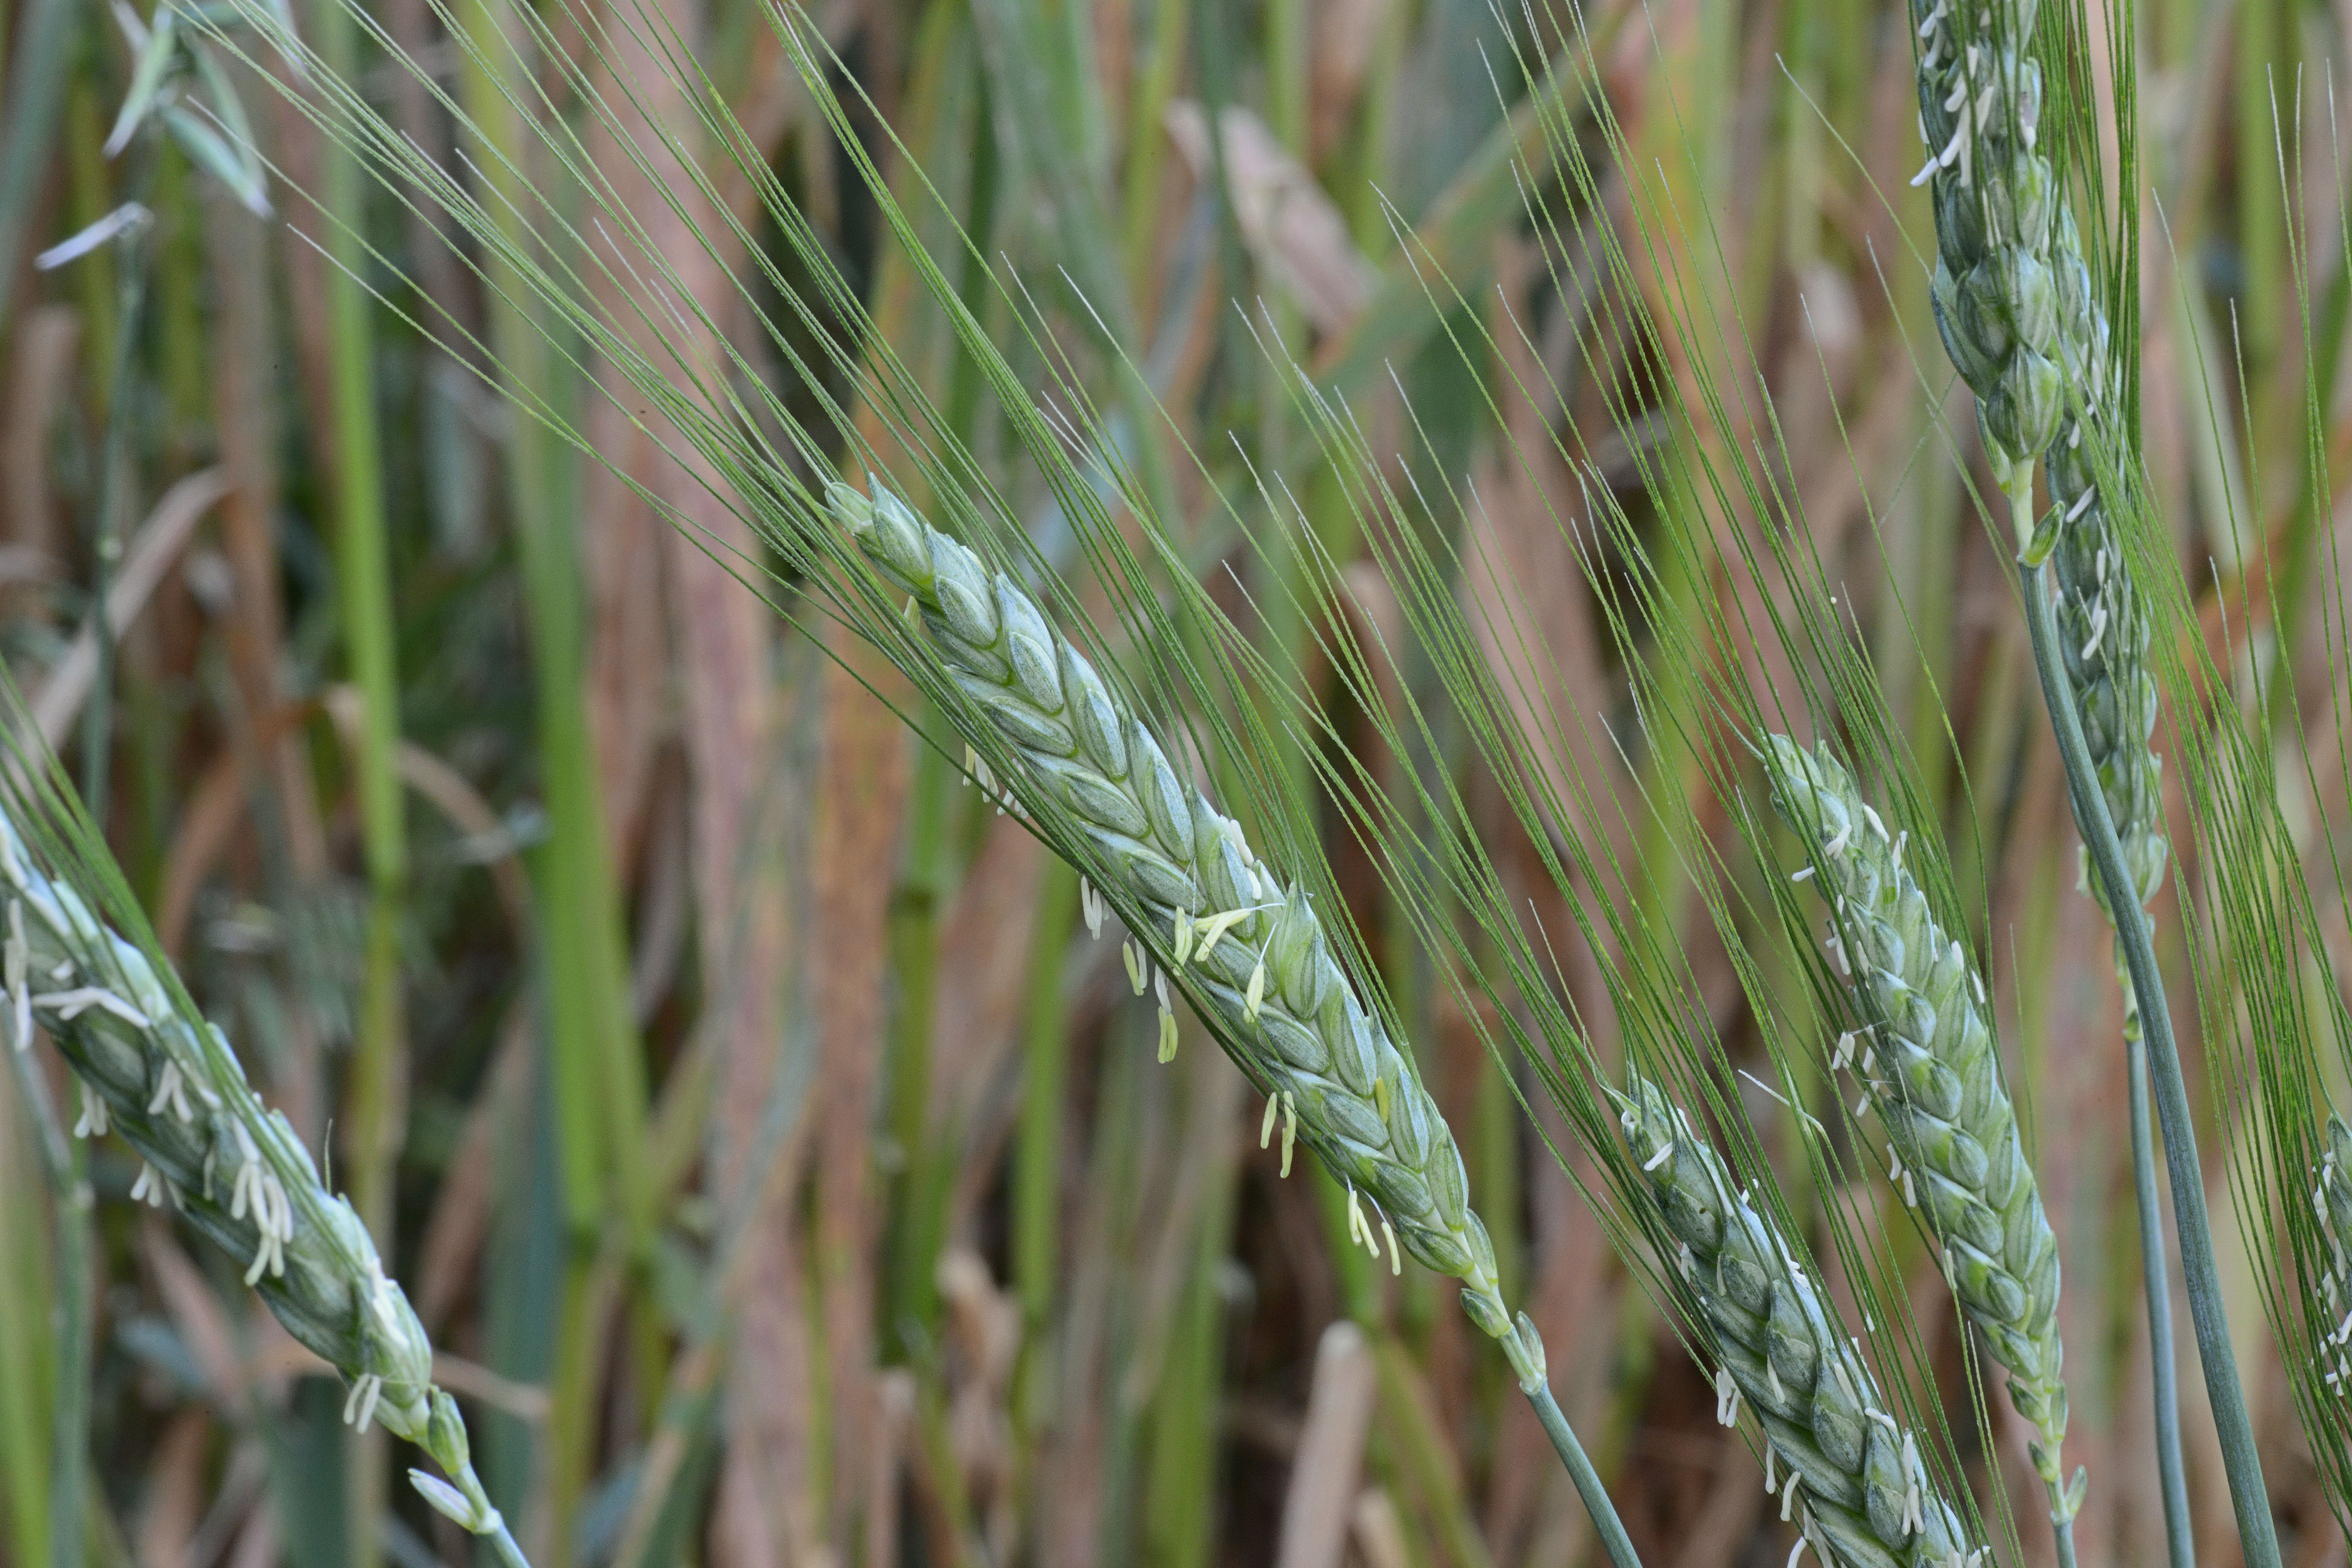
x: 1930, y: 1068
x: 1854, y: 1475
x: 1254, y: 956
x: 171, y: 1086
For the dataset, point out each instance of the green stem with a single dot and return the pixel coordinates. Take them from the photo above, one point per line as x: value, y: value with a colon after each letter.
x: 35, y: 95
x: 69, y: 1413
x: 375, y: 1112
x: 2181, y: 1544
x: 1588, y: 1481
x: 2207, y: 1308
x: 2065, y: 1528
x: 97, y: 711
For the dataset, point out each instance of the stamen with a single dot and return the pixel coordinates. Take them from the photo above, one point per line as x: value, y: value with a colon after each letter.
x: 1265, y: 1127
x: 1289, y: 1129
x: 92, y: 1121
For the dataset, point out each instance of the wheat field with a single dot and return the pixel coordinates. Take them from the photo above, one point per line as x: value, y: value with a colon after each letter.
x: 1337, y: 784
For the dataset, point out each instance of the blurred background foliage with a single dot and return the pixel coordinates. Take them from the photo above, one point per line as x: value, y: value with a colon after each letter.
x: 783, y: 1174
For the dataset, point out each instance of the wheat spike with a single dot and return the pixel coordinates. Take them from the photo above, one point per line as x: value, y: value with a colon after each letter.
x: 174, y: 1091
x: 1265, y: 973
x: 2026, y: 330
x: 1934, y: 1075
x: 1866, y: 1499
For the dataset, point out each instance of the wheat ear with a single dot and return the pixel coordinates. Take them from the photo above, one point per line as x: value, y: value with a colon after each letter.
x: 173, y: 1089
x: 1852, y: 1469
x: 1926, y: 1057
x: 1247, y: 949
x: 2026, y: 330
x: 2332, y: 1198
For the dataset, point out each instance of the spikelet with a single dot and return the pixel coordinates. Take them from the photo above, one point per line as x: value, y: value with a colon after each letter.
x: 1853, y: 1474
x: 1929, y: 1063
x: 1257, y: 966
x: 174, y: 1091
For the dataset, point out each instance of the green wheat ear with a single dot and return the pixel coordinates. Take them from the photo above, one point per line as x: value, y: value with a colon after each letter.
x: 150, y: 1070
x: 1925, y: 1057
x: 1246, y: 948
x: 2332, y: 1198
x: 1852, y: 1473
x: 2025, y: 328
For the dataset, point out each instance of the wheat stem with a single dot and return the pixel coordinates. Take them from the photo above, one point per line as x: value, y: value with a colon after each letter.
x: 1580, y: 1469
x: 2208, y: 1307
x: 2156, y: 1277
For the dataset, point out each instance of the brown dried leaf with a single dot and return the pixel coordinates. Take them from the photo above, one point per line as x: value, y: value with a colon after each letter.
x: 1294, y: 232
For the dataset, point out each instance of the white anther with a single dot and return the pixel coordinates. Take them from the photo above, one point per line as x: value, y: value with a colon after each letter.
x: 1135, y: 965
x: 359, y: 1405
x: 151, y: 1187
x: 1789, y: 1494
x: 2082, y: 504
x: 1253, y: 1001
x: 1090, y: 907
x: 1914, y: 1511
x: 1726, y: 1398
x: 1837, y: 845
x: 1883, y: 1418
x: 1844, y: 1052
x: 1289, y: 1129
x: 1356, y: 1226
x: 1875, y: 825
x: 92, y: 1121
x: 71, y: 1004
x: 170, y: 1092
x: 1665, y: 1151
x: 1836, y: 948
x: 1769, y: 1485
x: 1772, y: 1380
x: 1802, y: 874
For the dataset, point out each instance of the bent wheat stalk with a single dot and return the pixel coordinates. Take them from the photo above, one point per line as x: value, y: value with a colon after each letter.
x: 1246, y: 949
x: 1854, y: 1474
x: 167, y: 1082
x: 1926, y: 1057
